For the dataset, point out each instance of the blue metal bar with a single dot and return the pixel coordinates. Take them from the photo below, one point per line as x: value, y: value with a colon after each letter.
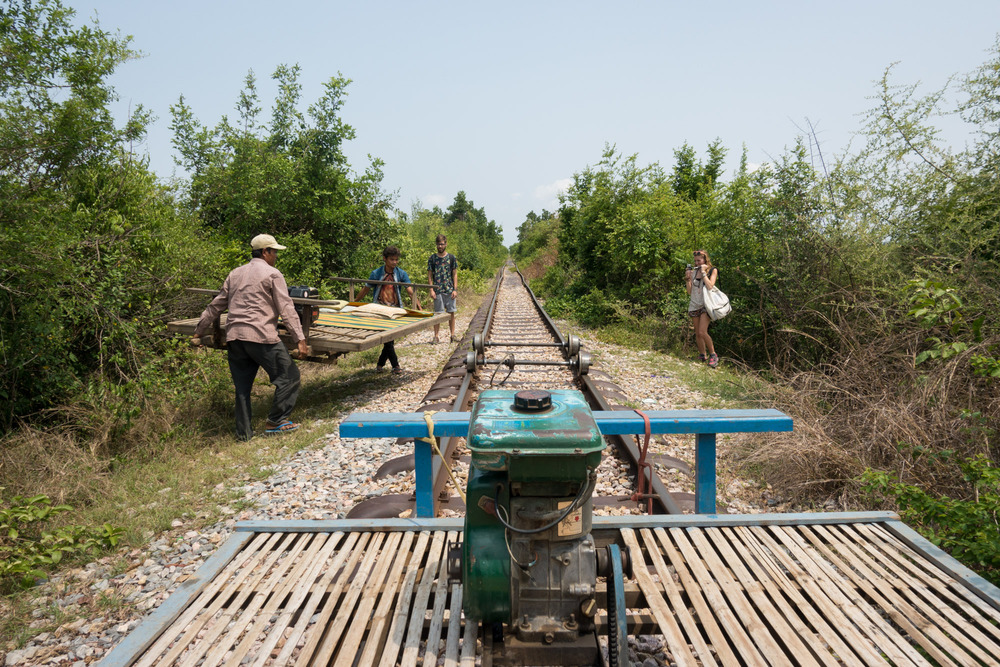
x: 969, y: 579
x: 611, y: 422
x: 705, y: 424
x: 704, y: 473
x: 423, y: 466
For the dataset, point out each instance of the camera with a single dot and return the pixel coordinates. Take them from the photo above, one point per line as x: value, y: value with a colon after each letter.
x: 689, y: 267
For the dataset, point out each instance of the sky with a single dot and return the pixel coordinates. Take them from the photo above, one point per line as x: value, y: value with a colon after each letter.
x: 508, y: 100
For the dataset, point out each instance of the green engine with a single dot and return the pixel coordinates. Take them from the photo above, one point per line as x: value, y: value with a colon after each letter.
x: 528, y: 558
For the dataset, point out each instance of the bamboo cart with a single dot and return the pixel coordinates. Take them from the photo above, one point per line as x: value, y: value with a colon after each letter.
x: 328, y: 335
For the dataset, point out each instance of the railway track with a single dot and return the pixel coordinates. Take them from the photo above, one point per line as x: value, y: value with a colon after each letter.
x: 512, y: 343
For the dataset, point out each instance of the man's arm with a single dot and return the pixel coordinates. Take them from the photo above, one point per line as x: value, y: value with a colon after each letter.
x: 430, y: 280
x: 454, y: 276
x: 211, y: 312
x: 286, y: 308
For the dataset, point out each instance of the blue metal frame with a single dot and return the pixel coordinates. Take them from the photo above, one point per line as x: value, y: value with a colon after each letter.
x: 704, y: 424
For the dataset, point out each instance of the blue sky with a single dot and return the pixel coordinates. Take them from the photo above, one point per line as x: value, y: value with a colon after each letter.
x: 507, y: 101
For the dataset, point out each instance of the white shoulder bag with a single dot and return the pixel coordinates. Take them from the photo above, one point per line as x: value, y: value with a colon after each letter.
x: 716, y: 302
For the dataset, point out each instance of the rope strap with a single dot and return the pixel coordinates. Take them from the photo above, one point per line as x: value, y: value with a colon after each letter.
x: 434, y: 446
x: 643, y: 466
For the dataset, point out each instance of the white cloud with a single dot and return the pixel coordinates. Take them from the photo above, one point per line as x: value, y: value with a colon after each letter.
x: 549, y: 193
x: 430, y: 201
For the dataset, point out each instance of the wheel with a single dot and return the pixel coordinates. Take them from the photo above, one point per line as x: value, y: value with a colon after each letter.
x: 581, y: 363
x: 617, y: 620
x: 478, y: 344
x: 470, y: 362
x: 573, y: 345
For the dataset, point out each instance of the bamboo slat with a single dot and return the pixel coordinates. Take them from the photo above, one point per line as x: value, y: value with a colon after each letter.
x: 725, y: 591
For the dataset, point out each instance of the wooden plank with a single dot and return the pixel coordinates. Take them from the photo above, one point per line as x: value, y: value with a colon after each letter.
x: 471, y: 633
x: 675, y: 600
x: 749, y: 615
x: 952, y: 590
x: 380, y: 620
x: 198, y: 615
x: 715, y: 635
x: 344, y: 565
x: 390, y: 653
x: 817, y: 591
x: 210, y: 576
x: 832, y: 580
x: 359, y: 576
x: 217, y: 624
x: 891, y: 595
x: 930, y: 590
x: 745, y: 647
x: 311, y: 563
x: 437, y: 612
x: 361, y: 621
x: 774, y: 573
x: 676, y: 642
x: 418, y: 607
x: 969, y: 584
x: 326, y: 340
x: 332, y: 580
x: 453, y: 641
x: 770, y: 603
x: 329, y: 568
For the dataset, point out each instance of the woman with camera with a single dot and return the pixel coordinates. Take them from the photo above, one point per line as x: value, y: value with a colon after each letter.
x: 701, y: 274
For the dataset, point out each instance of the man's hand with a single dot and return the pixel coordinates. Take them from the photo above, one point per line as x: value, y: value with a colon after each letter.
x: 303, y: 350
x: 195, y: 341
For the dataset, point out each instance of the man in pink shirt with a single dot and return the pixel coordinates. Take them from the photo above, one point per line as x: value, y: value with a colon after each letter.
x: 255, y: 294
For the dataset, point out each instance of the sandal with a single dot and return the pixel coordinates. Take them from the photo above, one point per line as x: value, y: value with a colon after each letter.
x: 285, y: 426
x: 454, y: 339
x: 397, y: 371
x: 435, y: 341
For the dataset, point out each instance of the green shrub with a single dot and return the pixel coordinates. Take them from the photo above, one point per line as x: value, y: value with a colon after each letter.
x: 28, y: 546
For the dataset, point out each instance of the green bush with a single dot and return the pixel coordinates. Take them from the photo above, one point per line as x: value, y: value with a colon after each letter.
x: 28, y: 547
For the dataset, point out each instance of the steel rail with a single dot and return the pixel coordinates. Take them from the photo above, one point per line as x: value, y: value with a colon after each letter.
x: 663, y: 500
x: 448, y: 445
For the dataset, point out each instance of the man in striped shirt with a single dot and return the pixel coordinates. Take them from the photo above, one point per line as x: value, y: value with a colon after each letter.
x: 255, y: 295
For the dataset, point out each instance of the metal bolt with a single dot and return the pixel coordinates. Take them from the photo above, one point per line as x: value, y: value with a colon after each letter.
x: 548, y: 638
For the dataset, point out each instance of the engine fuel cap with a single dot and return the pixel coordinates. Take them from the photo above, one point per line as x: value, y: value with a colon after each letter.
x: 532, y: 400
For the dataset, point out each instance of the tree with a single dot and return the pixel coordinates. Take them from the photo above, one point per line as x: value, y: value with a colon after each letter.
x: 289, y: 178
x: 91, y: 247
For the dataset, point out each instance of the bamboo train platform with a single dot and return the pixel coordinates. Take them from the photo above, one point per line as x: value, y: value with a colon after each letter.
x: 329, y: 335
x: 762, y: 589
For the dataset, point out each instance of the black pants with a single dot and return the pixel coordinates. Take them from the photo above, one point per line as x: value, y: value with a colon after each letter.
x: 244, y: 360
x: 388, y: 354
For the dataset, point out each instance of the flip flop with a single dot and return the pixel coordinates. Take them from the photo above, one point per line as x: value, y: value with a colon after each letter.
x: 284, y: 427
